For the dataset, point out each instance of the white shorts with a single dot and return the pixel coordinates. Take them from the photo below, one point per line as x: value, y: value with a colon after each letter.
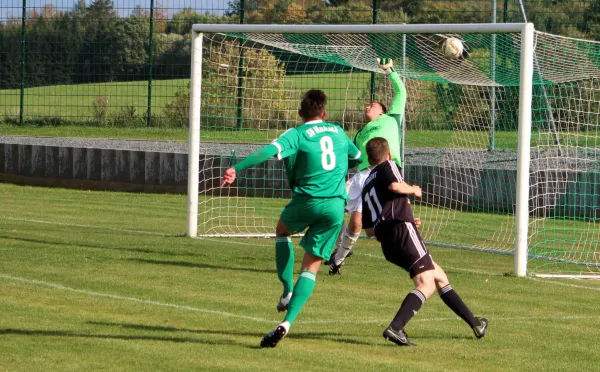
x: 354, y: 187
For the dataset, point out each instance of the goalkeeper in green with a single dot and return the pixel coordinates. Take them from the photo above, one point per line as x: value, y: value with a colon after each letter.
x: 383, y: 123
x: 316, y: 156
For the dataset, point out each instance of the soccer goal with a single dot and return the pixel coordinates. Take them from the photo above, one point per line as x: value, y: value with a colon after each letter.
x: 504, y: 139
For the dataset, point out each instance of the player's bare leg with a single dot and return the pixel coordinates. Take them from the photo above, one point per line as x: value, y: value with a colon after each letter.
x: 284, y: 259
x: 454, y: 302
x: 302, y: 291
x: 349, y: 237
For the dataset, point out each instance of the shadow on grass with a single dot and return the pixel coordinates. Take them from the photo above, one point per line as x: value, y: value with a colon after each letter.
x: 76, y: 244
x: 51, y: 333
x: 329, y: 336
x: 201, y: 265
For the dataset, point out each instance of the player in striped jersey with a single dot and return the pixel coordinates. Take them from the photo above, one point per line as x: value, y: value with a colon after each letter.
x: 387, y: 215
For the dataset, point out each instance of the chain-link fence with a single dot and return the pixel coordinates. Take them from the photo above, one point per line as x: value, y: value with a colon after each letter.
x: 126, y: 63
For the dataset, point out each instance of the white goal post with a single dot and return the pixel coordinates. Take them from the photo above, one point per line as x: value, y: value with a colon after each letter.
x: 526, y: 31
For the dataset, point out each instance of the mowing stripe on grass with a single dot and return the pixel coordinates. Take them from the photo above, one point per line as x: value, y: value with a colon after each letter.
x: 138, y: 300
x: 263, y: 320
x: 478, y: 272
x: 87, y: 226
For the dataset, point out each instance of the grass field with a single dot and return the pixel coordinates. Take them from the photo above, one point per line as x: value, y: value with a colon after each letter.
x: 75, y: 100
x: 106, y: 281
x: 416, y: 138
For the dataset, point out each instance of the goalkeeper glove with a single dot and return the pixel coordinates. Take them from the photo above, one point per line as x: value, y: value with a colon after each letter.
x: 386, y: 64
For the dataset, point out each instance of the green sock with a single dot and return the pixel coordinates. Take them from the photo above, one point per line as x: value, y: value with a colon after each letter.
x: 284, y: 259
x: 302, y: 292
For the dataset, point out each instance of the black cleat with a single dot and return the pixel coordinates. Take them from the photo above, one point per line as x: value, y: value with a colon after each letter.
x: 282, y: 304
x: 335, y: 269
x: 332, y: 257
x: 273, y: 338
x: 480, y: 329
x: 397, y: 337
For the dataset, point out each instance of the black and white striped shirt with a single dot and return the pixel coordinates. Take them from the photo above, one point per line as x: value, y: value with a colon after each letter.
x: 380, y: 205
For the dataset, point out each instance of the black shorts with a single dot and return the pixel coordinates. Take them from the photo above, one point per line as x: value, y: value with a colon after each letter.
x: 402, y: 245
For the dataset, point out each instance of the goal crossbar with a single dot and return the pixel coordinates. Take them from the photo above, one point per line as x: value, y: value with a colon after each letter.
x: 471, y: 28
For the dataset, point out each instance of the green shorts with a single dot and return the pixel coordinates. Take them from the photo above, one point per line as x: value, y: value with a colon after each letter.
x: 322, y: 216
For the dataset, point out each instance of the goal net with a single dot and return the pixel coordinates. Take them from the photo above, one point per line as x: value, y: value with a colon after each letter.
x: 460, y: 141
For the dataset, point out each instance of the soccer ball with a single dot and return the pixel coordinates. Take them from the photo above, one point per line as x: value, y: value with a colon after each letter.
x: 452, y: 48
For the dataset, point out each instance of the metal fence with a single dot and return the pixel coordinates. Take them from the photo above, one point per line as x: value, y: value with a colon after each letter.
x: 126, y: 62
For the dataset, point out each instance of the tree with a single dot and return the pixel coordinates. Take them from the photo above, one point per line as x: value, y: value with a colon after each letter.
x: 160, y: 17
x: 267, y: 102
x: 49, y: 11
x: 181, y: 22
x: 591, y: 16
x: 80, y: 7
x: 114, y: 48
x: 101, y: 9
x: 139, y: 12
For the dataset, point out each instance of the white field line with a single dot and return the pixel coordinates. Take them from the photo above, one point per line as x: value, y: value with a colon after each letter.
x: 263, y: 320
x: 138, y: 300
x: 86, y: 226
x: 549, y: 280
x: 553, y: 281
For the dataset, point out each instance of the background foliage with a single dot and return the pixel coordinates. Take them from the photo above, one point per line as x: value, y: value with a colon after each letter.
x: 141, y: 51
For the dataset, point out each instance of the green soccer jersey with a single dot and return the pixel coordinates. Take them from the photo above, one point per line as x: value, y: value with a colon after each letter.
x: 387, y: 125
x: 316, y: 156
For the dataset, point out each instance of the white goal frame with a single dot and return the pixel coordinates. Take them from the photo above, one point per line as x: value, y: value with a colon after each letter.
x: 525, y: 98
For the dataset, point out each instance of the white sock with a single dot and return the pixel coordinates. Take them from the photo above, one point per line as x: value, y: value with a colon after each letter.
x: 286, y: 325
x: 338, y: 242
x: 348, y: 241
x: 286, y: 300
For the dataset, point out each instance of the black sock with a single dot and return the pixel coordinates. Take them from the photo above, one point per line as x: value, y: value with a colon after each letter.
x: 453, y: 301
x: 411, y: 304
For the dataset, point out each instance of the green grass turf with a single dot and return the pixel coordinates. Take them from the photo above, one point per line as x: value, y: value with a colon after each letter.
x: 75, y: 100
x: 105, y: 281
x: 415, y: 138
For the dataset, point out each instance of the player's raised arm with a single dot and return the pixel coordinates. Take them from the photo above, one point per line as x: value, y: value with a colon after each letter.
x: 399, y: 99
x: 282, y: 147
x: 251, y: 160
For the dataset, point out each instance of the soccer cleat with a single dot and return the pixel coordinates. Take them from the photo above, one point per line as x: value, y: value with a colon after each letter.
x: 335, y: 269
x: 282, y: 304
x: 332, y: 257
x: 480, y: 329
x: 397, y: 337
x: 273, y: 338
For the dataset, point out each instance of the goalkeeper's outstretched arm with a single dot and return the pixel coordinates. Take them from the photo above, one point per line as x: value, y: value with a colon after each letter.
x: 399, y: 101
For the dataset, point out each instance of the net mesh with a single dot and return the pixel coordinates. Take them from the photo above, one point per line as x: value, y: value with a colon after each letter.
x: 461, y: 133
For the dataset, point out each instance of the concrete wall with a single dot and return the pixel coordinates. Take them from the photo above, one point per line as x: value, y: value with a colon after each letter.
x: 94, y: 168
x: 557, y: 193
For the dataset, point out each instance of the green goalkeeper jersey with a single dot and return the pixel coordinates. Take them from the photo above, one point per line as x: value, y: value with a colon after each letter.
x: 317, y: 156
x: 387, y: 125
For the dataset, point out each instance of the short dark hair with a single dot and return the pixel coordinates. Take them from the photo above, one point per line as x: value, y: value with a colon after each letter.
x: 377, y: 150
x: 383, y: 108
x: 313, y: 104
